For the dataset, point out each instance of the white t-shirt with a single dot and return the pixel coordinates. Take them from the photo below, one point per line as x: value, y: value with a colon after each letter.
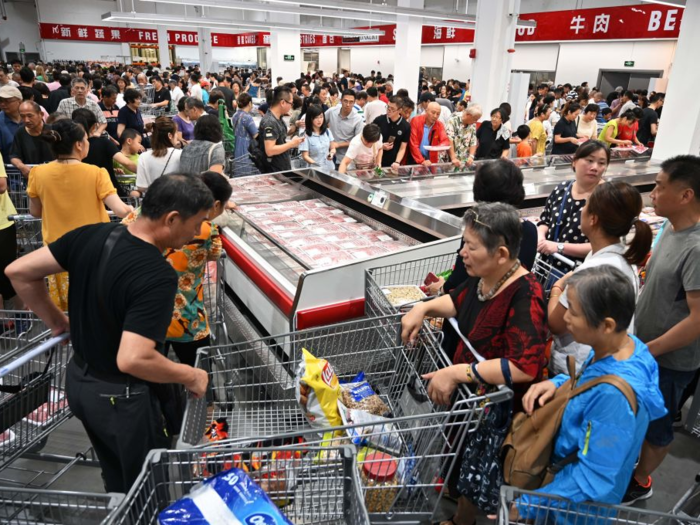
x: 565, y: 345
x: 362, y: 156
x: 627, y: 106
x: 149, y: 168
x: 373, y: 110
x: 175, y: 95
x: 196, y: 91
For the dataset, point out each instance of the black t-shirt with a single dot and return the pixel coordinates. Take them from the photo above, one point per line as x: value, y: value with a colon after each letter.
x: 649, y: 117
x: 101, y: 153
x: 112, y: 117
x: 29, y: 149
x: 490, y: 147
x: 228, y: 97
x: 272, y: 128
x: 138, y: 289
x: 567, y: 130
x: 55, y: 98
x: 211, y: 111
x: 400, y: 130
x: 160, y: 96
x: 130, y: 119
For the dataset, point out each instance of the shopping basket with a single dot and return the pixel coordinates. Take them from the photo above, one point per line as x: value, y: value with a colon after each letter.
x: 36, y: 506
x: 551, y: 510
x: 546, y: 271
x: 311, y: 485
x: 29, y: 237
x: 260, y: 403
x: 32, y: 395
x: 19, y: 328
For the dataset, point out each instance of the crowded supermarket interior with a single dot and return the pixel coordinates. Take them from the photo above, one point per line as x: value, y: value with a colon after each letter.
x: 274, y: 262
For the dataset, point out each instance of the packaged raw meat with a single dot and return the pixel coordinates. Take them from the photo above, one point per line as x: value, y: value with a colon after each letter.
x: 56, y: 404
x: 357, y: 227
x: 378, y: 237
x: 339, y: 237
x: 6, y: 438
x: 287, y: 205
x: 356, y: 242
x: 247, y: 208
x: 314, y: 250
x: 341, y: 219
x: 306, y: 240
x: 329, y: 211
x: 371, y: 251
x: 332, y: 259
x: 327, y: 228
x: 284, y: 226
x: 394, y: 246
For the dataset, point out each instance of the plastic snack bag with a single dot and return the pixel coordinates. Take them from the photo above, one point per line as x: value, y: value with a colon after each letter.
x: 230, y: 498
x: 359, y: 395
x: 317, y: 391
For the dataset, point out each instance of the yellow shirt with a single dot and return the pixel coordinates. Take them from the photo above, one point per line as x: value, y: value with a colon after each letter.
x: 538, y: 133
x: 71, y: 196
x: 6, y: 206
x: 609, y: 124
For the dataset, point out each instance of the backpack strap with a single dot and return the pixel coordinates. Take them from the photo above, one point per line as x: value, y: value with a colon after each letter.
x: 616, y: 381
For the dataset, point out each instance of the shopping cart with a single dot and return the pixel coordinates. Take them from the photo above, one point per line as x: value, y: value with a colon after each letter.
x: 214, y: 294
x: 380, y: 280
x: 255, y: 393
x: 17, y: 189
x: 18, y: 329
x: 29, y: 237
x: 242, y: 166
x: 547, y: 509
x: 311, y: 485
x: 32, y: 395
x: 546, y: 271
x: 689, y: 504
x: 36, y: 506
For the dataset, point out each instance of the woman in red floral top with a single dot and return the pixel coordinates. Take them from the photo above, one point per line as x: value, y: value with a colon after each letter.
x: 500, y: 310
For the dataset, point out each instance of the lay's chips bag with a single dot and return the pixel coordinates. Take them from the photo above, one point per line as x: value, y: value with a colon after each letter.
x: 317, y: 391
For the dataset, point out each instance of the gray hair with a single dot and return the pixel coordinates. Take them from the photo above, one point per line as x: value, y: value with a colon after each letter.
x: 475, y: 110
x: 604, y: 291
x: 497, y: 224
x: 78, y: 80
x: 35, y: 107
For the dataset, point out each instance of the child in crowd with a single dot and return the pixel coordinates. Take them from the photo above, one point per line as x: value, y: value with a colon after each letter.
x: 365, y: 150
x: 524, y: 146
x: 131, y: 145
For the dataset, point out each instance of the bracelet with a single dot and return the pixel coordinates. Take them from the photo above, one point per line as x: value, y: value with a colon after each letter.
x: 552, y: 296
x: 557, y: 286
x: 477, y: 375
x: 470, y: 377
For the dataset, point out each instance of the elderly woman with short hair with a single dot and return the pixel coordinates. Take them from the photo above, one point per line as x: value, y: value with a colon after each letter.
x: 501, y: 313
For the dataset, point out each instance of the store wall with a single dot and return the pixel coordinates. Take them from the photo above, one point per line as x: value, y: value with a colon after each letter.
x: 377, y: 58
x: 328, y: 60
x: 20, y: 26
x: 457, y: 63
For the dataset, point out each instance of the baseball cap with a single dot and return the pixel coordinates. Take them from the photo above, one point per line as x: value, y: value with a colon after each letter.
x: 10, y: 92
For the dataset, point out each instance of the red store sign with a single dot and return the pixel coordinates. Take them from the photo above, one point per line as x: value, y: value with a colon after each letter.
x: 261, y: 39
x: 183, y: 38
x: 97, y: 33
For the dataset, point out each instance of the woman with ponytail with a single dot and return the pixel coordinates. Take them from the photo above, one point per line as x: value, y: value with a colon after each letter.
x: 611, y: 212
x: 67, y: 193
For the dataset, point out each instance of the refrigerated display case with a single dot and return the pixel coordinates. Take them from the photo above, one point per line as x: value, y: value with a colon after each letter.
x: 445, y: 187
x: 299, y: 242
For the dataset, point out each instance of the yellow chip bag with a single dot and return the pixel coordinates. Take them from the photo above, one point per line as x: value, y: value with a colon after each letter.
x: 317, y: 383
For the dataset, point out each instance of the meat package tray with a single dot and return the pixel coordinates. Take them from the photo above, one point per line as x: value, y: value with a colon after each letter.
x: 355, y: 242
x: 323, y: 229
x: 357, y: 227
x: 315, y: 250
x: 369, y: 251
x: 332, y: 259
x: 306, y: 240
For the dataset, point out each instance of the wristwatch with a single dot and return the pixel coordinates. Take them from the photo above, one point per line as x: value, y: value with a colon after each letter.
x: 560, y: 248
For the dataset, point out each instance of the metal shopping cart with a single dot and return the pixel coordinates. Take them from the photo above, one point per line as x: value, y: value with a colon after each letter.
x: 29, y: 237
x: 311, y: 485
x: 689, y: 504
x: 548, y: 272
x: 20, y: 328
x: 36, y: 506
x: 32, y: 395
x: 256, y: 396
x: 214, y: 294
x: 531, y: 508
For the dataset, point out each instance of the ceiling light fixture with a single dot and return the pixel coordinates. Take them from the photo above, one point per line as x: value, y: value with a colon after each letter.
x: 665, y: 2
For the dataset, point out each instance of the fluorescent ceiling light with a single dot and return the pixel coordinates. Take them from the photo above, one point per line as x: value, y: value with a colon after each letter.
x: 158, y: 19
x: 666, y: 2
x: 306, y: 11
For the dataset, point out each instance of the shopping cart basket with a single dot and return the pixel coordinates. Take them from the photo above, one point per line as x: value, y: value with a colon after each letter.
x: 17, y: 189
x: 29, y: 237
x: 310, y: 484
x: 260, y: 403
x: 379, y: 281
x: 18, y: 329
x: 214, y: 295
x: 539, y: 508
x: 546, y: 271
x: 32, y: 395
x: 35, y: 506
x: 689, y: 504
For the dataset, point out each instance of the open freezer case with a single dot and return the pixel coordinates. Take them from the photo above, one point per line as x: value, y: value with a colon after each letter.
x: 299, y: 242
x: 445, y: 187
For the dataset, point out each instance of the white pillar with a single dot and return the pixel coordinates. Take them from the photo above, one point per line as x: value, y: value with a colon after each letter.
x: 163, y: 48
x: 205, y: 53
x: 495, y: 34
x: 284, y: 43
x: 679, y: 127
x: 409, y: 32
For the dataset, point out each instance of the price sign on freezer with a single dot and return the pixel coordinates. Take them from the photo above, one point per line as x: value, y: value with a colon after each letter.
x: 378, y: 198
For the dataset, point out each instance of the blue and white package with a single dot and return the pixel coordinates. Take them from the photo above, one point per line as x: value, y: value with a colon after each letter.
x: 229, y: 498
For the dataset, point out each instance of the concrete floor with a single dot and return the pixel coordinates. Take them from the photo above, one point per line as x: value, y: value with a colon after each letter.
x: 672, y: 480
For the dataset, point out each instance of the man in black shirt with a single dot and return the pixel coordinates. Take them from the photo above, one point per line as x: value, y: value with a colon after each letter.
x: 649, y: 123
x: 225, y: 84
x: 61, y: 93
x: 273, y: 132
x: 28, y: 147
x: 395, y: 133
x: 121, y: 302
x: 161, y: 96
x: 110, y: 110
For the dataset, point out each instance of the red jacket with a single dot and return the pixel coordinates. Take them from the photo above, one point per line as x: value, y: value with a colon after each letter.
x: 438, y: 137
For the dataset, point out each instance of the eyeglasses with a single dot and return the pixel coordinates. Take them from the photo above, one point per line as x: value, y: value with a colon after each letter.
x: 287, y: 101
x: 389, y: 108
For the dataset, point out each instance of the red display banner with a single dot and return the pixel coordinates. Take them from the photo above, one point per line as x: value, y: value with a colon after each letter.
x: 183, y: 38
x: 645, y: 21
x: 261, y: 39
x: 446, y: 35
x: 97, y: 33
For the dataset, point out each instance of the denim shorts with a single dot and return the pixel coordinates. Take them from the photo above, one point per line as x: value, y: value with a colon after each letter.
x: 672, y: 383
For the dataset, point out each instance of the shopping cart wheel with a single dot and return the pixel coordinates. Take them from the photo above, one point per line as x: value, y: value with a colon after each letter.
x: 38, y: 447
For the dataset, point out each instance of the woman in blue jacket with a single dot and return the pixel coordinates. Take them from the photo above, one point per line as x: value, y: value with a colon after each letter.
x: 599, y: 424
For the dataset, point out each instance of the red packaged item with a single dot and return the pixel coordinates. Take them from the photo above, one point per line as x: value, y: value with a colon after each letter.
x: 378, y: 237
x: 342, y: 219
x: 357, y: 227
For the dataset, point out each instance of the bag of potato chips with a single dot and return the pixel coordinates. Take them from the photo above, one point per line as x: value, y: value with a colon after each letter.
x: 316, y: 381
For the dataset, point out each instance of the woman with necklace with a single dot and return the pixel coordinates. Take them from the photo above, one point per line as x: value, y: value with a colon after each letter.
x: 500, y: 311
x: 599, y: 427
x: 66, y: 193
x: 559, y: 228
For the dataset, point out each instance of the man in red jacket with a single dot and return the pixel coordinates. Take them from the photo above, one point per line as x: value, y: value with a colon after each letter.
x: 427, y: 130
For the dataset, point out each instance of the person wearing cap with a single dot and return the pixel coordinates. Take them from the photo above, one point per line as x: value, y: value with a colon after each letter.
x: 10, y: 121
x: 423, y: 102
x: 427, y: 130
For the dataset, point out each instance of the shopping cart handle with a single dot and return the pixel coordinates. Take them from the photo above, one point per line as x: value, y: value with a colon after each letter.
x: 25, y: 358
x: 20, y: 217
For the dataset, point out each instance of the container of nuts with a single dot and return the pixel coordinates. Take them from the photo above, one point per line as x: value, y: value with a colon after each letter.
x: 400, y: 296
x: 379, y: 478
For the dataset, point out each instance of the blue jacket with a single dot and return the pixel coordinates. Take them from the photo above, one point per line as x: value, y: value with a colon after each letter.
x: 600, y: 424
